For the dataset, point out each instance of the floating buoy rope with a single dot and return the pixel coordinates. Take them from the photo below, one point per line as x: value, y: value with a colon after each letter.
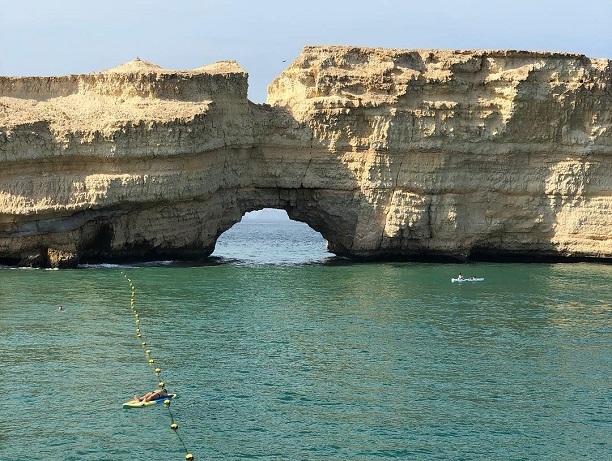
x: 173, y: 424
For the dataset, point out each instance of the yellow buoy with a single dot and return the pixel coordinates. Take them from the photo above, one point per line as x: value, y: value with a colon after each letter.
x: 189, y: 457
x: 151, y: 361
x: 167, y: 402
x: 174, y: 426
x: 161, y: 384
x: 143, y: 344
x: 158, y: 370
x: 148, y: 351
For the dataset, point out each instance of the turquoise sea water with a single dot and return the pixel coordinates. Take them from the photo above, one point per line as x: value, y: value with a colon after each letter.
x: 284, y: 352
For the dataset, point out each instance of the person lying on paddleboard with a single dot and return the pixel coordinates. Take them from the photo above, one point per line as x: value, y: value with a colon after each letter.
x: 154, y: 395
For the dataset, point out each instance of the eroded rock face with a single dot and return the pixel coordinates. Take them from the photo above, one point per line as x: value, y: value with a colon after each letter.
x: 387, y: 153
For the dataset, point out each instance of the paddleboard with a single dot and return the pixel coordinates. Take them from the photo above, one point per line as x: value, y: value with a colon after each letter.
x: 468, y: 279
x: 139, y: 404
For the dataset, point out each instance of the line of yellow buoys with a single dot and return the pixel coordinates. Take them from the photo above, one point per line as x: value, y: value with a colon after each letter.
x: 174, y: 425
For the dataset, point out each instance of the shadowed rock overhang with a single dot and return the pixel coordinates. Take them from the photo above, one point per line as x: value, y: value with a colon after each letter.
x: 389, y: 154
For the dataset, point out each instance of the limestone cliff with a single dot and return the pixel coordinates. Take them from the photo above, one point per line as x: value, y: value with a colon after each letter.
x: 388, y: 153
x: 458, y: 152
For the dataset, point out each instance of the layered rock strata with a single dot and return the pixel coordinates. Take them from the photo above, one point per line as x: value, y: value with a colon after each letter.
x: 387, y: 153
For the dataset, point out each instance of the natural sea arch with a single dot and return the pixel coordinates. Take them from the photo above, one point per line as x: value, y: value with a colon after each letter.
x: 268, y: 236
x: 334, y: 212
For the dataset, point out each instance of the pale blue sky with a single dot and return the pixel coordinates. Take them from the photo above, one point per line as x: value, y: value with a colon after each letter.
x: 45, y: 37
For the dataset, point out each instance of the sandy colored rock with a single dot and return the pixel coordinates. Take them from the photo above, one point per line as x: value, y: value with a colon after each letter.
x: 388, y: 153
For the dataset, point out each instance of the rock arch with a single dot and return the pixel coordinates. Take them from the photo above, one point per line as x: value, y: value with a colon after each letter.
x: 397, y: 154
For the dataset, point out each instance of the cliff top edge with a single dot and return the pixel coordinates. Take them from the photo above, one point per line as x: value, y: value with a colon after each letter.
x: 447, y: 51
x: 140, y: 66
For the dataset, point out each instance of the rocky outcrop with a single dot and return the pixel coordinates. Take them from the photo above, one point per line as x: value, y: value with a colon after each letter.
x: 387, y: 153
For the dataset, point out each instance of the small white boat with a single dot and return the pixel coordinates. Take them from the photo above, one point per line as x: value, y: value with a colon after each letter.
x: 468, y: 279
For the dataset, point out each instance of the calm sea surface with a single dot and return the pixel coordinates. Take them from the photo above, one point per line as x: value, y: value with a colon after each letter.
x: 282, y: 352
